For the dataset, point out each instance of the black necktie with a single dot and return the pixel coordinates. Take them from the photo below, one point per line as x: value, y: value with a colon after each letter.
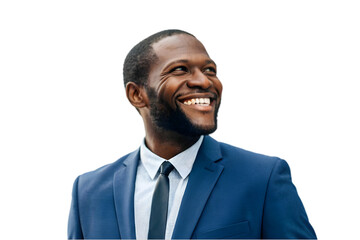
x: 159, y: 206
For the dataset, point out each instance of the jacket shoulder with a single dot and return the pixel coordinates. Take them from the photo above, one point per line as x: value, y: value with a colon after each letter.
x: 104, y: 174
x: 239, y: 155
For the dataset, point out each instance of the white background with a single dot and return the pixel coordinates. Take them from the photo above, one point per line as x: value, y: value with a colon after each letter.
x: 290, y: 71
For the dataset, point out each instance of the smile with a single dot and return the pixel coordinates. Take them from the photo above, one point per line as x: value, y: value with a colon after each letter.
x: 197, y: 101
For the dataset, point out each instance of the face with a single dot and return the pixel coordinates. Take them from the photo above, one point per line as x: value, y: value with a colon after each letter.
x: 183, y: 89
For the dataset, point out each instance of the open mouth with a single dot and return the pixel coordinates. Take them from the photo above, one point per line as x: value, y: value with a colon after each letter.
x: 197, y: 101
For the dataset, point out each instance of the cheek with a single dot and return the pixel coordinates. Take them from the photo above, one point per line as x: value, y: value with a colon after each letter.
x: 168, y: 91
x: 218, y: 86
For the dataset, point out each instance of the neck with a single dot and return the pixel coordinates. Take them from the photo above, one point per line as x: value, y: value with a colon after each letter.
x: 168, y: 144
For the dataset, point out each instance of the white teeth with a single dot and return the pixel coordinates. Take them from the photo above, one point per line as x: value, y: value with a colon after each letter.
x: 201, y: 101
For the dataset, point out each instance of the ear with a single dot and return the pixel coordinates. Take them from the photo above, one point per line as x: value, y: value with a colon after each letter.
x: 136, y: 95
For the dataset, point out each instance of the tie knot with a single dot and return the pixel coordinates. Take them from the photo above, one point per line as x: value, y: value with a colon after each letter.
x: 166, y: 167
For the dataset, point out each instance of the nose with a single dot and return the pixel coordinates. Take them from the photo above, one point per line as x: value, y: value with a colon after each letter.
x: 199, y: 80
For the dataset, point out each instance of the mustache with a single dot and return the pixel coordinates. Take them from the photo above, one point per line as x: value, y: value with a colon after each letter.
x: 212, y: 94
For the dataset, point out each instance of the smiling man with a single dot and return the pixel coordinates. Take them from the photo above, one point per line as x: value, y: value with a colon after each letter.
x: 181, y: 183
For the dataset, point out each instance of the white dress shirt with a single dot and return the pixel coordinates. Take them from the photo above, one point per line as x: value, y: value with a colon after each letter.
x: 146, y: 177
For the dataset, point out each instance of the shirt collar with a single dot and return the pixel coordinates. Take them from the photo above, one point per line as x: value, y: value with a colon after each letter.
x: 182, y: 162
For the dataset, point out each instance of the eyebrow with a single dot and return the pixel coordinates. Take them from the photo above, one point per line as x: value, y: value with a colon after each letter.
x: 210, y: 62
x: 176, y: 62
x: 187, y: 61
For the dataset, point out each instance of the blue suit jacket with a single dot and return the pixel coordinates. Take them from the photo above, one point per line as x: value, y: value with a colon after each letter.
x: 231, y: 193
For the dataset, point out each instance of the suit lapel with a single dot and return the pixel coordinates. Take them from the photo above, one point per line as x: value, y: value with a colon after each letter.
x: 202, y: 180
x: 124, y: 187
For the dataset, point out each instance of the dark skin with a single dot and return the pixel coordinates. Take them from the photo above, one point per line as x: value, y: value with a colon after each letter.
x: 184, y: 73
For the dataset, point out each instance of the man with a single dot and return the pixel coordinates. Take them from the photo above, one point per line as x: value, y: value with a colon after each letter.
x: 205, y: 189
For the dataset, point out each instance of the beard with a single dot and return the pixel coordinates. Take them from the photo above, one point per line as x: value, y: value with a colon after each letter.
x: 167, y: 118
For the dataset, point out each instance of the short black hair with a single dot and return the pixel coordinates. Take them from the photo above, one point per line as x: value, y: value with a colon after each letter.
x: 138, y: 61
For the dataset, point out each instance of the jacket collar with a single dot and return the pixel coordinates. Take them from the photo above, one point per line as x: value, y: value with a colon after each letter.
x: 124, y: 187
x: 202, y: 179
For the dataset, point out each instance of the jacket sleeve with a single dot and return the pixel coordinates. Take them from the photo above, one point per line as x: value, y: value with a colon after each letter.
x: 284, y: 215
x: 74, y: 224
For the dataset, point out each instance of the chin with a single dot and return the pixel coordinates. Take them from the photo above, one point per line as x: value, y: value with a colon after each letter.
x: 175, y: 120
x: 197, y: 130
x: 197, y: 127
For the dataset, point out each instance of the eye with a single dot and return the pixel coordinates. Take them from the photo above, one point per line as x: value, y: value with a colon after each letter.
x: 210, y: 70
x: 179, y: 69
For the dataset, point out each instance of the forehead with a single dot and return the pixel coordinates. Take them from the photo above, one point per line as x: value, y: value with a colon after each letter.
x: 177, y: 47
